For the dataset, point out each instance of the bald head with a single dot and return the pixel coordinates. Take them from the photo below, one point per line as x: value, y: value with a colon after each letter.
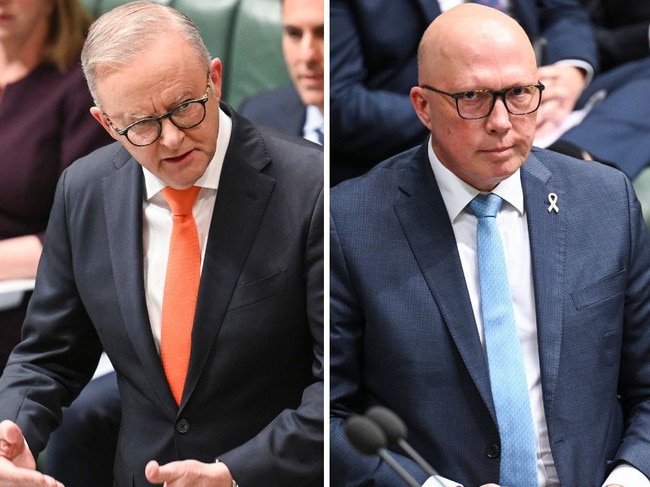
x: 464, y: 37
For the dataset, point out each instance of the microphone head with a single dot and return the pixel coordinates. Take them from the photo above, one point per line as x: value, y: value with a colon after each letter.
x: 364, y: 435
x: 392, y: 426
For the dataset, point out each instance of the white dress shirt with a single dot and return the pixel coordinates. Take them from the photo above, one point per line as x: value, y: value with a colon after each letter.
x: 313, y: 123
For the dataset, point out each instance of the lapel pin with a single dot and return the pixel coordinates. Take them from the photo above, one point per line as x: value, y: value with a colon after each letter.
x: 552, y: 199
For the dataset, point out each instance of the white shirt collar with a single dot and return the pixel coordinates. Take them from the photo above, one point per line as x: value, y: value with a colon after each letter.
x: 457, y: 193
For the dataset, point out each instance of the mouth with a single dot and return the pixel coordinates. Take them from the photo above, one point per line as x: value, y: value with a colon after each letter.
x: 497, y: 151
x: 181, y: 159
x: 311, y: 79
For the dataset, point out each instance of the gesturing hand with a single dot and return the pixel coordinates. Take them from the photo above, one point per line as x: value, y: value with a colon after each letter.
x: 17, y: 464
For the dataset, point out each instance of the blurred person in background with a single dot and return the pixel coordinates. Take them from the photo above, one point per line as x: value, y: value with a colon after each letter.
x: 617, y: 119
x: 296, y: 109
x: 45, y: 125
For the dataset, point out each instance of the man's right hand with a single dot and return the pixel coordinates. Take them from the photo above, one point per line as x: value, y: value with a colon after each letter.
x: 17, y: 464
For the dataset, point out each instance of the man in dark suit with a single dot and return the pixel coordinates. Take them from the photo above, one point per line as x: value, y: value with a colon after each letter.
x: 373, y: 66
x: 622, y: 30
x: 296, y: 109
x: 250, y: 407
x: 408, y: 328
x: 89, y: 428
x: 616, y: 129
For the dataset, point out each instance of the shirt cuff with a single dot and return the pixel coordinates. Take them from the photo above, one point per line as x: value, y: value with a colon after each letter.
x: 627, y: 476
x: 588, y: 68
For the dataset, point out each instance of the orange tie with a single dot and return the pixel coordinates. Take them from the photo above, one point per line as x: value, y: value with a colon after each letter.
x: 181, y: 288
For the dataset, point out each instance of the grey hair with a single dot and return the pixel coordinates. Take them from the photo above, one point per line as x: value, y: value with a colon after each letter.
x: 121, y: 34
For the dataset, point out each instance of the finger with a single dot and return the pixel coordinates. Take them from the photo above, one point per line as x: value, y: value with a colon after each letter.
x: 152, y: 472
x: 10, y: 475
x: 157, y: 474
x: 11, y: 439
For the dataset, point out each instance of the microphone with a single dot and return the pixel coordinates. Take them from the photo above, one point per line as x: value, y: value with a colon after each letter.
x: 395, y: 432
x: 368, y: 439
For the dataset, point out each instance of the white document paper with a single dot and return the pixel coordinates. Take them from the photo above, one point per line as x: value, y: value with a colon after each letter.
x: 12, y: 292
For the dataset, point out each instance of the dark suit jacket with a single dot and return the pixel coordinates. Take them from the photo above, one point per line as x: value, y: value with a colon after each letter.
x: 403, y: 332
x: 254, y: 393
x: 281, y: 109
x: 616, y: 130
x: 621, y: 29
x: 373, y: 67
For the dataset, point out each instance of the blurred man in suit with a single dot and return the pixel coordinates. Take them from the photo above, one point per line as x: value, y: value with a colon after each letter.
x: 413, y: 323
x: 296, y: 109
x: 615, y: 129
x: 245, y: 403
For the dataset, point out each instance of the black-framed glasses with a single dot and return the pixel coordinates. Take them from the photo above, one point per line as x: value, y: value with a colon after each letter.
x: 476, y: 104
x: 145, y: 132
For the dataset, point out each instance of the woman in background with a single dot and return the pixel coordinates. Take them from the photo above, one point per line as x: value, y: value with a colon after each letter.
x: 45, y: 125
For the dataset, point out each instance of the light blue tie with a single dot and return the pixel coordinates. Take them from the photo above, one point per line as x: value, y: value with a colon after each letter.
x: 505, y: 362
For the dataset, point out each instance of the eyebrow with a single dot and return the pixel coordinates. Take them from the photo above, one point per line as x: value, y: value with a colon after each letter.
x: 134, y: 117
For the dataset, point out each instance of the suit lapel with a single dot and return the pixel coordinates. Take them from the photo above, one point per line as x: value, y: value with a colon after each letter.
x: 547, y: 231
x: 123, y: 195
x: 427, y: 228
x: 242, y: 197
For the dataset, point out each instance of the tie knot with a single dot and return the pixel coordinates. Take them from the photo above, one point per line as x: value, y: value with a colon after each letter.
x: 181, y: 201
x: 485, y: 205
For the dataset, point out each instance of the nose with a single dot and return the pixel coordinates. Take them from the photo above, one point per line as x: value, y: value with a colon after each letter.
x: 170, y: 135
x: 308, y: 47
x: 499, y: 118
x: 311, y: 47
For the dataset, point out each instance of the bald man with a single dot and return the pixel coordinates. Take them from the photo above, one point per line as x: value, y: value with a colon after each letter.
x: 407, y: 327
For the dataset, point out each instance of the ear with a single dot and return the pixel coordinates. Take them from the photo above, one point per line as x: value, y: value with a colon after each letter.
x: 421, y: 105
x: 99, y: 116
x: 217, y: 77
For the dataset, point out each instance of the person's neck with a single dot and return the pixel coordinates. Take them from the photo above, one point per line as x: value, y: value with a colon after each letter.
x: 19, y: 57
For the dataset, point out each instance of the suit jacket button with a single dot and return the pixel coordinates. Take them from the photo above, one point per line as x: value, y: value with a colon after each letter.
x: 493, y: 451
x: 183, y: 426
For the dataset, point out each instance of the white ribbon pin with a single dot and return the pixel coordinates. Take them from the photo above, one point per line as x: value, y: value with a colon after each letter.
x: 552, y: 199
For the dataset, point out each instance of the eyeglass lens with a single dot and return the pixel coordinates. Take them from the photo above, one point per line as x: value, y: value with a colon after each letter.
x: 479, y: 103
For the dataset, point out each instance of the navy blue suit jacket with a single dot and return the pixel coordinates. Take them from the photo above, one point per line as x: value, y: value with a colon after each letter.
x: 281, y: 109
x: 403, y: 333
x: 373, y: 46
x: 254, y: 390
